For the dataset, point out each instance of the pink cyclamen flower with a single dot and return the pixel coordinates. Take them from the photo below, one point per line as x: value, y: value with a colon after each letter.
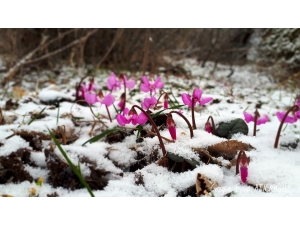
x: 131, y: 117
x: 92, y: 98
x: 129, y: 83
x: 243, y: 162
x: 146, y: 86
x: 288, y: 119
x: 260, y: 120
x: 149, y: 102
x: 113, y: 83
x: 171, y: 127
x: 208, y: 127
x: 197, y: 94
x: 107, y: 100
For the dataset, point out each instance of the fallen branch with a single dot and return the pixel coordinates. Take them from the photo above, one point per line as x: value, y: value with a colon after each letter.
x: 12, y: 71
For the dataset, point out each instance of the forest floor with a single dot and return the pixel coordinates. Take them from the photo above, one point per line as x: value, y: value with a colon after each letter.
x: 128, y: 160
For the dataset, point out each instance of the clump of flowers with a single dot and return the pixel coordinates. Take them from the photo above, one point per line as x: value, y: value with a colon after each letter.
x: 256, y: 118
x: 131, y: 116
x: 114, y: 83
x: 191, y: 101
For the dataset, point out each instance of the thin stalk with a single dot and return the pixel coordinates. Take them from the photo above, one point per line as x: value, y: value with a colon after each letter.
x: 155, y: 128
x: 293, y: 108
x: 187, y: 122
x: 108, y: 113
x: 193, y: 114
x: 256, y: 115
x: 123, y: 106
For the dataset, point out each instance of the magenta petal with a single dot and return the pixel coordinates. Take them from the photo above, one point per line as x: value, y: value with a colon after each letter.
x: 144, y: 88
x: 125, y: 111
x: 142, y: 119
x: 248, y: 117
x: 205, y: 100
x: 166, y: 105
x: 186, y: 99
x: 90, y: 98
x: 297, y: 115
x: 133, y: 119
x: 288, y: 119
x: 158, y: 84
x: 262, y: 120
x: 145, y: 80
x: 108, y: 100
x: 130, y: 84
x: 197, y: 94
x: 244, y: 173
x: 122, y: 120
x: 172, y: 131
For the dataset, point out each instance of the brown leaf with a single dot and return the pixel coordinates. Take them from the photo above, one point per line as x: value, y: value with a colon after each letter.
x: 228, y: 148
x: 204, y: 185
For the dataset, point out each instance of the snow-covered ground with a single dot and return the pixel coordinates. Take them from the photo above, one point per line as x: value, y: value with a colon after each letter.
x: 277, y: 169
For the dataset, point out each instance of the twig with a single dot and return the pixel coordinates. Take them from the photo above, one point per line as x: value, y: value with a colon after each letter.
x: 63, y: 48
x: 116, y: 38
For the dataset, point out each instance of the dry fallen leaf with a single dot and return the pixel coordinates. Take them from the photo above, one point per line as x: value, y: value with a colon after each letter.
x: 204, y: 185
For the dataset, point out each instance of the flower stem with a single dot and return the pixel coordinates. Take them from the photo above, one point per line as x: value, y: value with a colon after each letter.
x: 212, y: 124
x: 163, y: 93
x: 155, y: 128
x: 108, y: 113
x: 193, y: 114
x: 293, y: 108
x: 187, y: 122
x: 256, y: 115
x: 123, y: 107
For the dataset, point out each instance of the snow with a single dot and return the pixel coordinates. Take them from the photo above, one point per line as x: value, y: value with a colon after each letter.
x: 278, y: 169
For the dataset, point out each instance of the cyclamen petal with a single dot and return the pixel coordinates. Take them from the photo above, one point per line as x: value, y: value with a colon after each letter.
x: 112, y: 82
x: 149, y: 102
x: 262, y: 120
x: 142, y: 119
x: 186, y: 99
x: 158, y: 84
x: 288, y: 119
x: 244, y: 173
x: 122, y: 120
x: 90, y: 98
x: 172, y: 131
x: 108, y: 100
x: 205, y: 100
x: 197, y: 94
x: 248, y: 117
x: 130, y: 84
x: 166, y: 105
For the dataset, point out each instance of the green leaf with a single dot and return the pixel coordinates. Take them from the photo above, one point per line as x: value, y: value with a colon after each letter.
x: 37, y: 116
x: 227, y: 129
x: 177, y: 158
x: 73, y: 167
x: 99, y: 136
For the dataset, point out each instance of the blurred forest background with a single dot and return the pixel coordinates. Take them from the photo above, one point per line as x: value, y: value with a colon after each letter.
x: 274, y: 50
